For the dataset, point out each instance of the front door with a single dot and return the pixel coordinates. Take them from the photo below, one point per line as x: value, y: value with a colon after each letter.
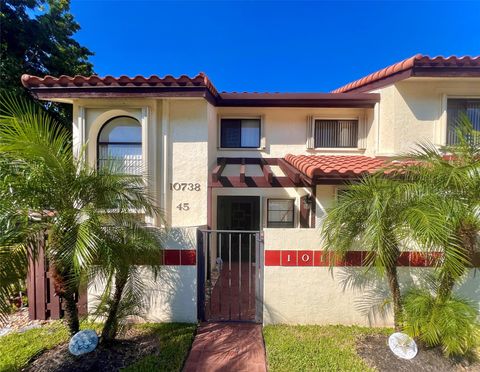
x: 238, y: 213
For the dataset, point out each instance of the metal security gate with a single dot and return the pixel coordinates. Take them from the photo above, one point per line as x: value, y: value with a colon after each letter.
x: 230, y: 275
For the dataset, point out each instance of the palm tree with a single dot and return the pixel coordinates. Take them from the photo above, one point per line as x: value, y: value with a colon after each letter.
x: 430, y: 199
x: 46, y: 176
x: 370, y: 213
x: 132, y: 251
x: 446, y: 182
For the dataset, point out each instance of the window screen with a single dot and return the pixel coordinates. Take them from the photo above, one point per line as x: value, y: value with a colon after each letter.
x: 336, y: 133
x: 455, y: 109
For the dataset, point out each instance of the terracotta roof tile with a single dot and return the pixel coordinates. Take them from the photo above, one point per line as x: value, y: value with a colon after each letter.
x: 200, y: 80
x: 409, y: 64
x: 342, y: 166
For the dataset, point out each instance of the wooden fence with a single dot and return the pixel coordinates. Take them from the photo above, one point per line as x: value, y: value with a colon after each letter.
x: 43, y: 303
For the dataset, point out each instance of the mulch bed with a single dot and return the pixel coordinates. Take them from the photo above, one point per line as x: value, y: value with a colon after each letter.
x: 376, y: 353
x: 134, y: 345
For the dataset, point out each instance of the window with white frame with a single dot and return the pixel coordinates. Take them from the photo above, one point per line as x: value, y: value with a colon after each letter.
x: 458, y: 108
x: 280, y: 212
x: 240, y: 133
x: 336, y: 133
x: 120, y: 146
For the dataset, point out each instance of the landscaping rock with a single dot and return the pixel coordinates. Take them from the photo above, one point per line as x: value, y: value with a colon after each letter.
x: 121, y: 353
x: 83, y: 342
x: 402, y: 345
x: 375, y: 351
x: 29, y: 327
x: 5, y: 331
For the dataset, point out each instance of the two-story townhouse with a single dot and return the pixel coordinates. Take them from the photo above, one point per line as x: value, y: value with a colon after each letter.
x: 256, y: 172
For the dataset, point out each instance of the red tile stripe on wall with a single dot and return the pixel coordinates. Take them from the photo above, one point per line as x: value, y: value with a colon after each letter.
x: 352, y: 258
x: 179, y: 257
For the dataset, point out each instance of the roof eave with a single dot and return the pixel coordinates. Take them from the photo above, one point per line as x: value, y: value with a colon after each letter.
x: 439, y: 72
x: 416, y: 66
x: 355, y: 100
x: 334, y: 100
x: 71, y: 93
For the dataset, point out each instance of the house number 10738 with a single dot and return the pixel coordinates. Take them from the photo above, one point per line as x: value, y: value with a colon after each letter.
x: 184, y: 186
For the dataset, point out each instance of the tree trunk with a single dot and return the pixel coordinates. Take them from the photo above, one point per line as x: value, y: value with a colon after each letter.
x: 71, y: 311
x: 64, y: 290
x: 392, y: 277
x: 110, y: 327
x: 445, y: 287
x: 468, y: 237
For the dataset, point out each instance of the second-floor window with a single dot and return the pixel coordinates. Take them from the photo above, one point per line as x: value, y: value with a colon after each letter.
x: 120, y: 146
x: 239, y: 133
x: 457, y: 107
x: 336, y: 133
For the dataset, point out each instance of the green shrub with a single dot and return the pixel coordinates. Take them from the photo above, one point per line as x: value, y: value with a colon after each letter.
x: 450, y: 323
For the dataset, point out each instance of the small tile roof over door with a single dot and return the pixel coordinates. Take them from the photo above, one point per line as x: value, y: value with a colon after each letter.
x: 418, y: 65
x: 335, y: 166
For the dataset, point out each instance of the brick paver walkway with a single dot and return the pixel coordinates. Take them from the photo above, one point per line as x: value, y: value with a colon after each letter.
x: 227, y: 347
x: 233, y: 298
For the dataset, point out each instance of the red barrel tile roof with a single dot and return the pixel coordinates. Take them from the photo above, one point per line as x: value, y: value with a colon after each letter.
x: 200, y: 80
x: 418, y: 60
x: 343, y: 166
x: 79, y: 86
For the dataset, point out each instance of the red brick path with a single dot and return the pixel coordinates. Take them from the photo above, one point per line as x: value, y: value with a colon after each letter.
x: 231, y: 298
x: 227, y: 347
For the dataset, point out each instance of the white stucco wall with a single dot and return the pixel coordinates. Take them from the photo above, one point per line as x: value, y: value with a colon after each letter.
x: 414, y: 110
x: 285, y: 129
x: 176, y: 148
x: 188, y: 161
x: 172, y: 297
x: 338, y: 295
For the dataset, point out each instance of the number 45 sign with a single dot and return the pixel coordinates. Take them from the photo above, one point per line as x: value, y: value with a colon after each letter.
x: 183, y: 207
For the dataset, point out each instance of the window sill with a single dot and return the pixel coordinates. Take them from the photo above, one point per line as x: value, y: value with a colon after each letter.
x: 337, y: 149
x: 240, y: 148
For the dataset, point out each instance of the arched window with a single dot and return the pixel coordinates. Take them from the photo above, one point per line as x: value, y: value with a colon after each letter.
x: 120, y: 146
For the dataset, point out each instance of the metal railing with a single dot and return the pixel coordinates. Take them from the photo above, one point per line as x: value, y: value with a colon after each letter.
x: 232, y: 275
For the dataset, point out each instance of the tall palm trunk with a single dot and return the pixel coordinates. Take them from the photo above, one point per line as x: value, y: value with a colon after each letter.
x: 110, y: 328
x: 394, y: 285
x: 64, y: 290
x: 72, y: 313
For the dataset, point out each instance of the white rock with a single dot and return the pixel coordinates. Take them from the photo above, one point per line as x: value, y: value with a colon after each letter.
x: 402, y: 345
x: 5, y: 331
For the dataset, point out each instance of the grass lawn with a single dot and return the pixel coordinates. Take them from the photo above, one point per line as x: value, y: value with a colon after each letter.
x: 16, y: 350
x: 315, y: 348
x: 175, y: 341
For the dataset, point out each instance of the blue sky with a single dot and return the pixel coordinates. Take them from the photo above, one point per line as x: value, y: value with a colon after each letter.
x: 273, y: 45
